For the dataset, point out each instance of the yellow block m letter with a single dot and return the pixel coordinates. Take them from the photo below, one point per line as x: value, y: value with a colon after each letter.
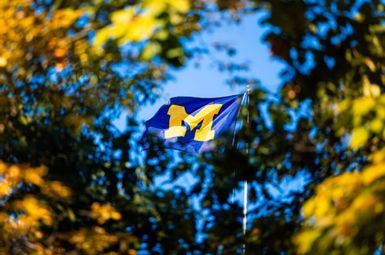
x: 206, y: 115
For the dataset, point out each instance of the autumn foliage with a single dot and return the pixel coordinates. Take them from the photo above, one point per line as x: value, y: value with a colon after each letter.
x: 71, y: 182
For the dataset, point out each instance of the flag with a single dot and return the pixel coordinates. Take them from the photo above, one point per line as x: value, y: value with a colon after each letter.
x: 192, y: 124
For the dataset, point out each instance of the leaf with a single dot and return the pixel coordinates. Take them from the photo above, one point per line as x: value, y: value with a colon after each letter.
x: 305, y: 240
x: 101, y: 37
x: 141, y: 28
x: 376, y: 125
x: 369, y: 63
x: 182, y: 6
x: 122, y: 17
x: 363, y: 105
x: 151, y: 49
x: 156, y: 7
x: 373, y: 172
x: 359, y: 137
x: 378, y: 156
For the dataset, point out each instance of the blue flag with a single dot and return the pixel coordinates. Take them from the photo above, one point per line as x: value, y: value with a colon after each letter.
x: 191, y: 124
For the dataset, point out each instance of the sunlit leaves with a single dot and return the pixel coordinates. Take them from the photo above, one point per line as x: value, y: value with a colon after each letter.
x: 20, y: 25
x: 26, y: 213
x: 33, y: 212
x: 362, y: 106
x: 359, y: 137
x: 102, y: 213
x: 68, y: 68
x: 150, y: 50
x: 30, y: 206
x: 148, y: 20
x: 13, y: 175
x: 158, y: 7
x: 345, y: 213
x: 365, y: 116
x: 339, y: 218
x: 94, y: 241
x: 57, y: 189
x: 128, y: 26
x: 120, y: 22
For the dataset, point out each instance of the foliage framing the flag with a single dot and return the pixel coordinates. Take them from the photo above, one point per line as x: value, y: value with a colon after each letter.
x: 59, y: 92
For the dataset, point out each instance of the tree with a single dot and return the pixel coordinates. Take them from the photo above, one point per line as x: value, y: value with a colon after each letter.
x: 333, y: 51
x: 68, y: 168
x: 71, y: 183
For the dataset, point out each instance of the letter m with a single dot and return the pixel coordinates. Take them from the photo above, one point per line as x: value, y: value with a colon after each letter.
x: 205, y: 116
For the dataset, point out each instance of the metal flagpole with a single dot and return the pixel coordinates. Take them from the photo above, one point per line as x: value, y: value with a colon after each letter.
x: 245, y: 184
x: 245, y: 196
x: 245, y: 102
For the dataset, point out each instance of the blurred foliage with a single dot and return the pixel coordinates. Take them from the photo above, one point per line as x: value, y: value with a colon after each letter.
x: 72, y: 183
x: 346, y: 213
x: 33, y: 209
x: 62, y: 85
x: 332, y: 130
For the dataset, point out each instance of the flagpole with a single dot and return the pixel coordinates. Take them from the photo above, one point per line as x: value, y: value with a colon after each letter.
x: 245, y: 198
x: 245, y: 184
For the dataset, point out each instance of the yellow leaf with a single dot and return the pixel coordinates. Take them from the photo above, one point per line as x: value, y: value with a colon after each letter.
x: 101, y: 37
x: 34, y: 211
x: 150, y: 51
x: 34, y: 175
x: 141, y: 28
x: 375, y: 90
x: 58, y: 189
x: 363, y: 105
x: 380, y: 112
x: 376, y: 125
x: 14, y: 173
x: 359, y: 137
x: 65, y: 17
x: 367, y: 203
x: 158, y: 6
x: 344, y: 222
x: 369, y: 63
x: 155, y: 7
x: 180, y: 5
x: 103, y: 213
x: 122, y: 17
x: 305, y: 239
x: 378, y: 156
x: 5, y: 188
x: 3, y: 62
x: 120, y: 22
x: 373, y: 172
x: 3, y: 167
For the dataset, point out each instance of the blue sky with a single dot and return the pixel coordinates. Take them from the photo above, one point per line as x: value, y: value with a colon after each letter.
x: 206, y: 80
